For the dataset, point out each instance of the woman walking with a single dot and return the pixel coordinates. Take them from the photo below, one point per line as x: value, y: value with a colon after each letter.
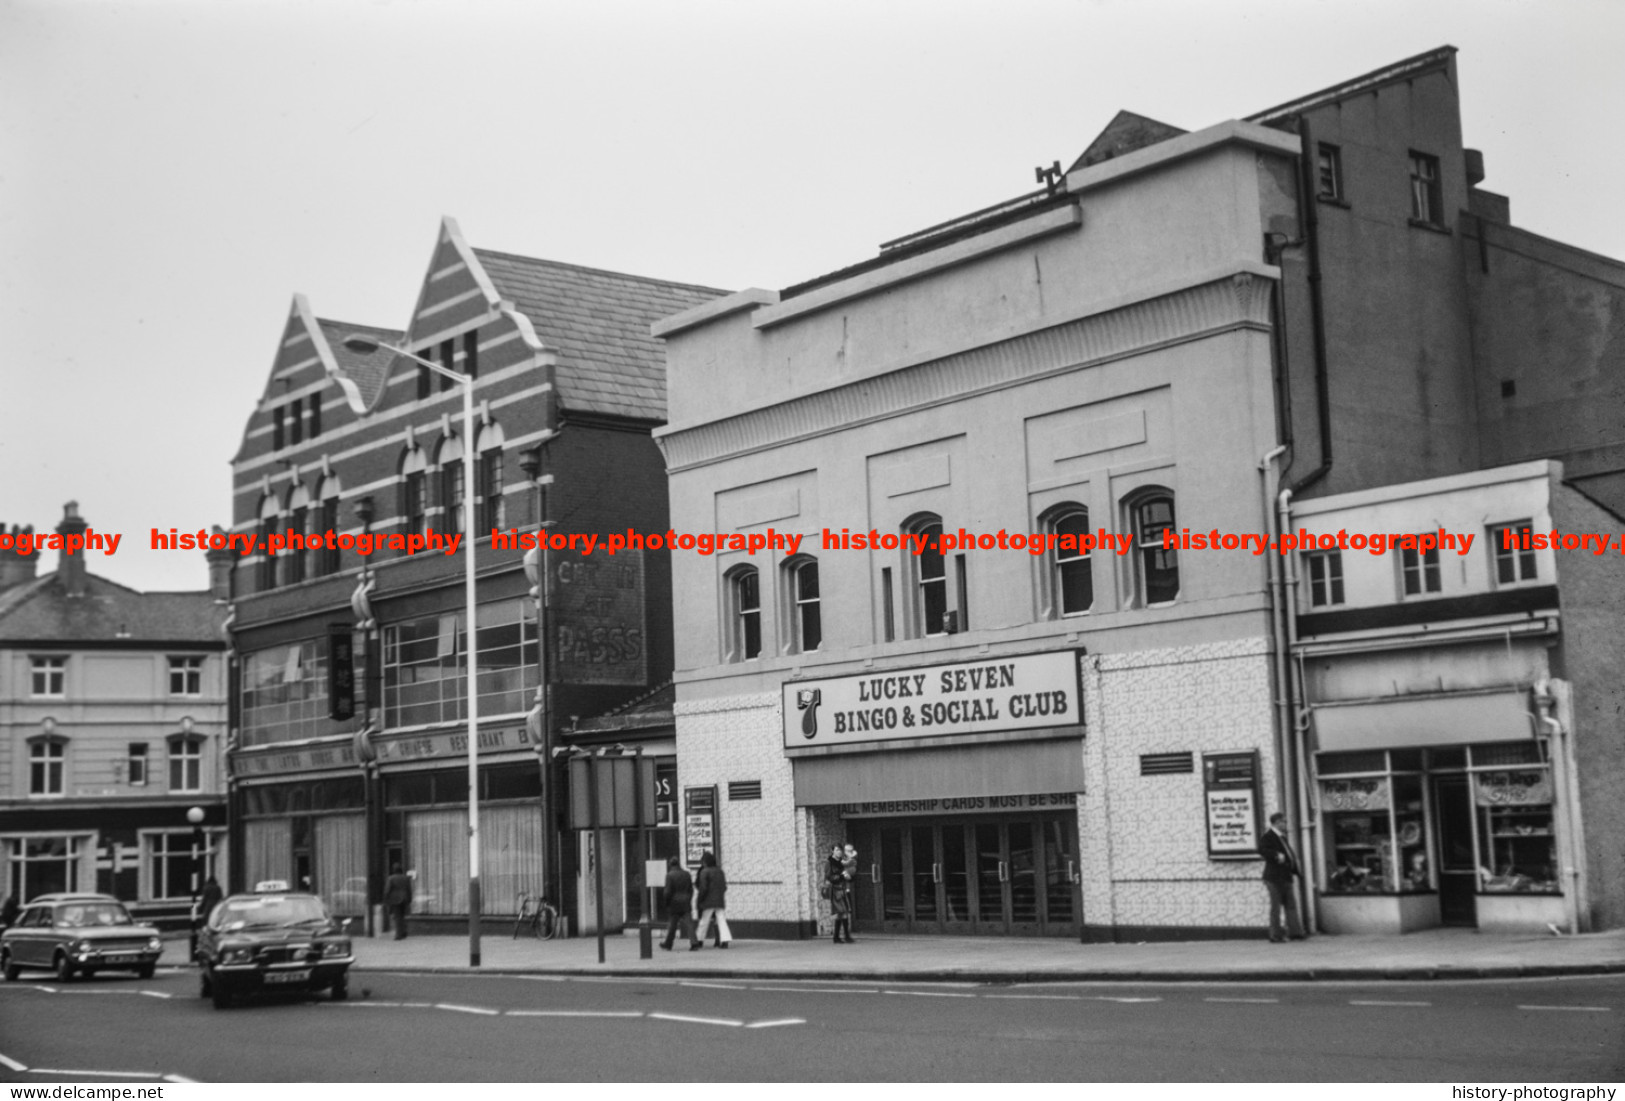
x: 840, y: 894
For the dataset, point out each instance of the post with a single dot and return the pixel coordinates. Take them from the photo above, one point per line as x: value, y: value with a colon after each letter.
x: 646, y: 947
x: 195, y: 816
x: 597, y: 849
x: 473, y: 677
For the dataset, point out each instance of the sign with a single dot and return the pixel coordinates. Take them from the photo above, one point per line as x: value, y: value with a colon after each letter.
x: 308, y: 759
x: 1032, y: 692
x: 340, y: 673
x: 700, y: 825
x: 1232, y: 803
x: 418, y: 747
x: 625, y: 792
x: 1513, y: 788
x: 596, y: 619
x: 665, y: 792
x: 965, y: 804
x: 1363, y: 794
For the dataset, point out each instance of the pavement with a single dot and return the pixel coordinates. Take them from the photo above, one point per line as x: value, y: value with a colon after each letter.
x: 1429, y: 954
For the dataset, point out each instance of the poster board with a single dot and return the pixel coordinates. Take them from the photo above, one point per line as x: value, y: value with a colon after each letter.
x: 700, y: 832
x: 1232, y: 804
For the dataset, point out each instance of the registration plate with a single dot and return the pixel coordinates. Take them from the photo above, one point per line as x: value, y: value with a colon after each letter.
x: 120, y: 957
x: 287, y: 976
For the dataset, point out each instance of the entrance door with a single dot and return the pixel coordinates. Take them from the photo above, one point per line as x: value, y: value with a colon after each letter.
x: 1458, y: 870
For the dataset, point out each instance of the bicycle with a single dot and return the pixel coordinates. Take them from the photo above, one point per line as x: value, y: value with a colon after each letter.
x: 539, y: 914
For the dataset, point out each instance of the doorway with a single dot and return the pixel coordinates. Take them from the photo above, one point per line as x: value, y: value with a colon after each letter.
x: 1458, y: 870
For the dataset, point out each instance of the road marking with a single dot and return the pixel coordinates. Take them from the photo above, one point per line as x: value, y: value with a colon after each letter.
x: 363, y: 1005
x: 12, y: 1063
x: 1572, y: 1008
x: 1358, y: 1001
x: 468, y: 1009
x: 154, y: 994
x: 714, y: 985
x: 575, y: 1013
x: 99, y: 1073
x: 1248, y: 1001
x: 929, y: 993
x: 417, y: 1005
x: 810, y: 990
x: 179, y: 1078
x: 1040, y: 997
x: 1107, y: 998
x: 776, y: 1024
x: 695, y: 1020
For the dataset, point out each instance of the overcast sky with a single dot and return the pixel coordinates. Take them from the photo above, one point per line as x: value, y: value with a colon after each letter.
x: 171, y: 173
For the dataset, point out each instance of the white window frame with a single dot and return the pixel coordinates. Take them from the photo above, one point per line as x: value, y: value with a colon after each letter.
x: 183, y: 750
x: 1056, y: 562
x: 189, y: 670
x: 153, y: 844
x: 1327, y: 590
x: 52, y: 673
x: 138, y: 753
x: 796, y: 605
x: 40, y: 756
x: 1524, y: 565
x: 1424, y: 567
x: 737, y: 615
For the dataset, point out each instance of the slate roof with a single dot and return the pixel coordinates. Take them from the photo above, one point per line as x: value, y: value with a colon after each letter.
x: 370, y: 372
x: 598, y: 323
x: 41, y: 611
x: 1125, y: 133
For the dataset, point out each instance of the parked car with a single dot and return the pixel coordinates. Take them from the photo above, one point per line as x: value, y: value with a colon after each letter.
x: 273, y: 939
x: 74, y: 934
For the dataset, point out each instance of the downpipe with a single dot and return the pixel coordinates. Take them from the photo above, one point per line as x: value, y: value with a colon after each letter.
x: 1298, y: 717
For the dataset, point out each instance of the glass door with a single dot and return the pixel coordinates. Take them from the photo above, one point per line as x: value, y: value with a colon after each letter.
x: 1061, y: 903
x: 956, y: 880
x: 1458, y: 868
x: 1023, y: 878
x: 992, y: 904
x: 894, y: 884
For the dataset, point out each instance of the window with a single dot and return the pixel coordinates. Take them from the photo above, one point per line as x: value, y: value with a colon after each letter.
x: 42, y: 865
x: 169, y: 863
x: 1419, y: 571
x: 296, y: 421
x: 137, y: 764
x: 284, y: 693
x: 448, y: 360
x: 276, y: 428
x: 185, y: 764
x: 268, y: 518
x: 414, y: 491
x: 425, y: 665
x: 185, y: 676
x: 47, y: 760
x: 930, y: 578
x: 298, y: 524
x: 1150, y: 515
x: 806, y: 617
x: 744, y: 614
x: 450, y: 462
x: 1514, y: 558
x: 471, y: 353
x: 1427, y: 203
x: 489, y: 499
x: 315, y: 415
x: 1071, y: 589
x: 49, y: 677
x: 1325, y: 572
x: 1329, y: 172
x: 327, y: 556
x: 425, y: 381
x: 888, y: 614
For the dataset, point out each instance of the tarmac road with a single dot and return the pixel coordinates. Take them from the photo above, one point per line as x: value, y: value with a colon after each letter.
x: 418, y: 1027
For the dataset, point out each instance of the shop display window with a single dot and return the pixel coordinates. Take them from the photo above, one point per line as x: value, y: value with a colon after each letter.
x: 1517, y: 843
x: 1375, y: 824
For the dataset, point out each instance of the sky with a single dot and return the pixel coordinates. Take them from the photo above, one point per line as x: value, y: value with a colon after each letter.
x: 172, y: 172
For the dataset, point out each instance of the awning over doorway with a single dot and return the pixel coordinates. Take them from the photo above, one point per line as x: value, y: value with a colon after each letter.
x: 1424, y: 721
x: 946, y: 772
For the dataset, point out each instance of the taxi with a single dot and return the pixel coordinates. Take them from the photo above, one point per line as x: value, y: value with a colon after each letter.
x: 273, y: 939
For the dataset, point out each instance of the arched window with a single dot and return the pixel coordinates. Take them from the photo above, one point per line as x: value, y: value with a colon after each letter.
x: 327, y: 557
x: 488, y: 499
x: 185, y: 763
x: 269, y: 514
x: 47, y: 765
x: 1151, y: 512
x: 450, y: 462
x: 414, y: 504
x: 937, y: 602
x: 804, y: 612
x: 1069, y: 576
x: 743, y: 597
x: 293, y: 554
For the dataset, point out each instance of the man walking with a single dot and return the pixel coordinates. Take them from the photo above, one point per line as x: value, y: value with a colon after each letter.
x: 679, y: 897
x: 711, y: 893
x: 1280, y: 868
x: 398, y: 898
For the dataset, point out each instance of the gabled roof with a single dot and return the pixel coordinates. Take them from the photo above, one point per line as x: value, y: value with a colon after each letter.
x: 1125, y: 133
x: 41, y: 611
x: 597, y: 322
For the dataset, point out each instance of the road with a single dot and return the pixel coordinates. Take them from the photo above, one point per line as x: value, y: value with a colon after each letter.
x: 489, y: 1028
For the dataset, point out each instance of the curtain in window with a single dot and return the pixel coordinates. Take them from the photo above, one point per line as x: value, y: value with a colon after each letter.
x: 510, y: 856
x: 437, y: 852
x: 341, y: 863
x: 267, y: 849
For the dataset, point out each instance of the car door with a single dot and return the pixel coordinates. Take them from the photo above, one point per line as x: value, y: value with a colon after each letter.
x: 25, y: 941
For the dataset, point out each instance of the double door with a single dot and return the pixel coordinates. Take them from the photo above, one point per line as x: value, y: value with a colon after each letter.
x: 1005, y: 875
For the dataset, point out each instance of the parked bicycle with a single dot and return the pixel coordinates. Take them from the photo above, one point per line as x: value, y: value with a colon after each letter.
x: 537, y: 914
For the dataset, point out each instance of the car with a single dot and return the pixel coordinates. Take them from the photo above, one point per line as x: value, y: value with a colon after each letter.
x: 272, y: 939
x: 78, y: 934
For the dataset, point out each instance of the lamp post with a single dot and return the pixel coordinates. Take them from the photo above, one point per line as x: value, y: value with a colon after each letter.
x: 195, y: 816
x: 530, y: 462
x: 365, y: 345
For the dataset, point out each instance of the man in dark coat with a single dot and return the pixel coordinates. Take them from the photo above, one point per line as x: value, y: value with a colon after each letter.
x: 1280, y: 868
x: 212, y: 894
x: 679, y: 899
x: 398, y: 899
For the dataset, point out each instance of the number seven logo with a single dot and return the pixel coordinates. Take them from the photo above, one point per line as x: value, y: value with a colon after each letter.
x: 807, y: 701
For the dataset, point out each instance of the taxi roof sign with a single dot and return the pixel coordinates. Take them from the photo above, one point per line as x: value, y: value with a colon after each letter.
x: 270, y: 886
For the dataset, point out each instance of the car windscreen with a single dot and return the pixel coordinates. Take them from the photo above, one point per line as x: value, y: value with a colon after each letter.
x: 89, y: 915
x: 268, y: 910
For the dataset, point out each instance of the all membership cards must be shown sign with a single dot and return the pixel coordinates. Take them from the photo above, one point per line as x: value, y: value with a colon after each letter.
x: 1030, y: 692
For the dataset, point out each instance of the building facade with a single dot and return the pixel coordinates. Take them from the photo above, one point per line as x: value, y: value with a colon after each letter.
x: 112, y: 728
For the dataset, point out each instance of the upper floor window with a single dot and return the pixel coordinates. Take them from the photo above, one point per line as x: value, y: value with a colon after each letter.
x: 136, y: 764
x: 1329, y: 172
x: 931, y: 608
x: 269, y: 512
x: 296, y: 420
x: 806, y: 615
x: 414, y: 504
x: 471, y: 353
x: 278, y: 415
x: 1325, y: 570
x: 448, y: 360
x: 1151, y: 513
x: 1419, y: 571
x: 327, y: 555
x: 426, y: 661
x: 48, y: 677
x: 1427, y: 201
x: 450, y: 461
x: 1514, y: 553
x: 489, y: 498
x: 744, y: 612
x: 298, y: 524
x: 1070, y: 575
x: 47, y: 765
x: 185, y: 676
x: 185, y: 764
x: 315, y: 415
x: 284, y: 693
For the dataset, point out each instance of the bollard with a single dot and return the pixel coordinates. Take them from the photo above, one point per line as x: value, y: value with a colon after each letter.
x: 646, y: 940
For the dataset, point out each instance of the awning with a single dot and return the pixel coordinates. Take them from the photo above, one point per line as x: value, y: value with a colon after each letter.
x: 949, y: 772
x: 1424, y: 721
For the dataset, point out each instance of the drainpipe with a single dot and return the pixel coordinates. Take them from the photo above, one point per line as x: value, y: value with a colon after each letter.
x: 1568, y: 838
x: 1317, y: 310
x: 1298, y: 715
x: 1278, y: 639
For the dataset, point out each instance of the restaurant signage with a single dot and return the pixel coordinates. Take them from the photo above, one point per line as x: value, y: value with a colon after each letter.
x: 417, y: 747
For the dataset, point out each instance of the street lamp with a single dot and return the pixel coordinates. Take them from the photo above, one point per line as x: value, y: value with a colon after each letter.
x: 195, y: 816
x: 366, y: 345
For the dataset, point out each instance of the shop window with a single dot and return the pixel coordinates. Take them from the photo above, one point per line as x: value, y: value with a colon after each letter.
x: 1070, y: 580
x: 185, y: 676
x: 168, y: 859
x: 270, y: 512
x: 1514, y: 561
x: 42, y: 865
x: 1517, y: 842
x: 450, y: 462
x: 414, y: 506
x: 47, y: 765
x: 1151, y: 513
x: 1325, y: 573
x: 185, y: 764
x: 1375, y: 828
x: 48, y: 678
x: 742, y: 587
x: 136, y: 764
x: 488, y: 501
x: 805, y: 618
x: 426, y: 665
x: 284, y: 693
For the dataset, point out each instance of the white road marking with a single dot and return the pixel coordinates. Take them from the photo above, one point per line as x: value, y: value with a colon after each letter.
x: 1249, y: 1001
x: 98, y: 1073
x: 154, y: 994
x: 575, y: 1013
x: 1039, y: 997
x: 810, y: 990
x: 714, y: 985
x: 776, y: 1024
x: 1572, y: 1008
x: 695, y: 1020
x: 417, y: 1005
x: 468, y: 1009
x: 179, y: 1078
x: 12, y: 1063
x: 930, y: 993
x: 1358, y: 1001
x: 1106, y: 998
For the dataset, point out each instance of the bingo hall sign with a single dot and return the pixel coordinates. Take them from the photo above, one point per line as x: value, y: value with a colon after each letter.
x: 1032, y: 692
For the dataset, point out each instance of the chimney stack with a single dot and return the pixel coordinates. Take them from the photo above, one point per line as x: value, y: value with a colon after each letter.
x: 70, y: 568
x: 16, y: 568
x: 220, y: 567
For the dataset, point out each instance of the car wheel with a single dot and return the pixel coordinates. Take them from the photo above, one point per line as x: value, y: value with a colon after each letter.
x: 221, y: 994
x: 341, y: 989
x: 145, y: 971
x: 12, y: 970
x: 64, y: 968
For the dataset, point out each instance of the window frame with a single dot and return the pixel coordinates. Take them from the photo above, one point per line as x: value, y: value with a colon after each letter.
x: 1328, y: 589
x: 180, y: 751
x: 1427, y: 189
x: 797, y: 605
x: 138, y: 754
x: 1425, y: 567
x: 1134, y: 506
x: 1056, y: 563
x: 47, y: 759
x: 490, y: 505
x: 1329, y: 168
x: 449, y: 461
x: 738, y: 582
x: 189, y: 668
x: 1517, y: 558
x: 921, y: 584
x: 55, y: 670
x: 270, y: 512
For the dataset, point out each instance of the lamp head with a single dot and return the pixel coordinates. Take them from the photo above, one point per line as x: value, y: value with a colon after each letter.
x: 365, y: 345
x: 195, y: 816
x: 365, y: 510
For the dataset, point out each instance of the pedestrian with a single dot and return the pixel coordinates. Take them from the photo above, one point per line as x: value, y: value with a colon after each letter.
x: 679, y: 897
x: 8, y: 912
x: 1280, y: 868
x: 710, y: 896
x: 398, y: 898
x: 837, y: 890
x: 849, y: 875
x: 212, y: 894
